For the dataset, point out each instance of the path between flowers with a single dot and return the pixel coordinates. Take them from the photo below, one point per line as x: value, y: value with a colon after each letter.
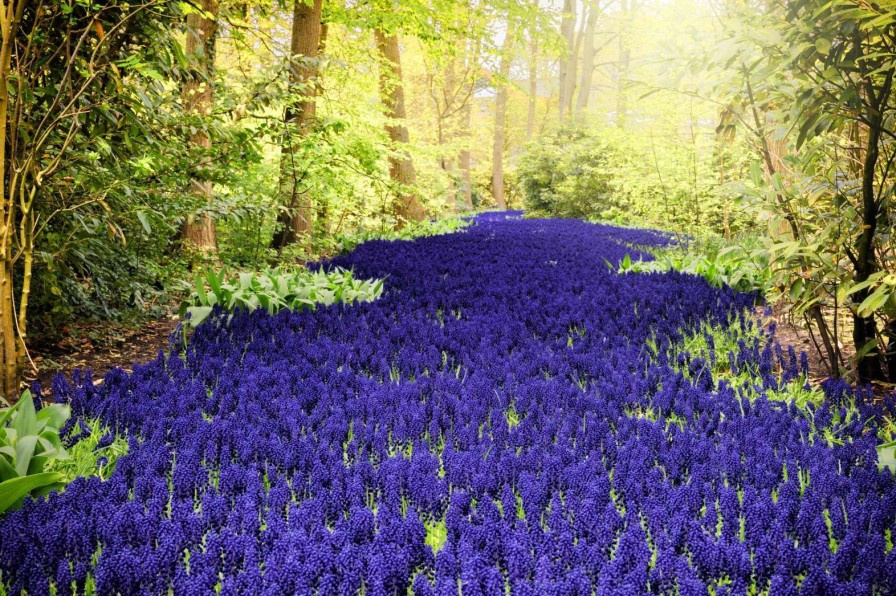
x: 510, y: 416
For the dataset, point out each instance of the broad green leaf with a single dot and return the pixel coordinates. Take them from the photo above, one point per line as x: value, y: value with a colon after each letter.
x: 15, y: 489
x: 25, y: 420
x: 198, y: 314
x: 55, y: 415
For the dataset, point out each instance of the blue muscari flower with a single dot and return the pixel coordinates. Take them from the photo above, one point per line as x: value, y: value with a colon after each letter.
x: 284, y: 456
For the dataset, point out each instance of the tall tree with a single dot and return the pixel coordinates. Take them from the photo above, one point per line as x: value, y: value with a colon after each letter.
x: 572, y: 69
x: 11, y: 340
x: 627, y: 7
x: 198, y: 93
x: 567, y: 33
x: 401, y: 168
x: 295, y: 219
x: 588, y: 54
x: 501, y: 82
x: 466, y: 117
x: 533, y: 83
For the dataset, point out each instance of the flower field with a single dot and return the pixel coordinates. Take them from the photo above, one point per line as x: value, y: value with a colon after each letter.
x: 512, y: 416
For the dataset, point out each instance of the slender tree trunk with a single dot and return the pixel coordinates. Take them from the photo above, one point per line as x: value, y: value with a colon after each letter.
x: 572, y: 70
x: 10, y: 17
x: 444, y: 110
x: 625, y: 55
x: 567, y: 32
x: 401, y: 168
x: 199, y: 229
x: 296, y: 218
x: 464, y: 158
x: 865, y: 328
x: 323, y: 206
x: 501, y: 122
x: 533, y: 84
x: 587, y: 62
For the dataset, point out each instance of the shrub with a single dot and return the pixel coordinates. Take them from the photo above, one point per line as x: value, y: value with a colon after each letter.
x: 567, y: 175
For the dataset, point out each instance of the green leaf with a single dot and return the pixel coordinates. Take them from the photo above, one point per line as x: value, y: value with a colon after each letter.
x: 198, y: 314
x: 6, y: 469
x: 873, y: 302
x: 144, y: 222
x: 864, y: 350
x: 200, y: 291
x: 886, y: 456
x: 25, y: 447
x: 25, y: 420
x: 14, y: 490
x: 55, y: 415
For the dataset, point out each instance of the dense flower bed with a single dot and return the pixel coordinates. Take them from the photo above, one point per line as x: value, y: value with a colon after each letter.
x: 481, y: 427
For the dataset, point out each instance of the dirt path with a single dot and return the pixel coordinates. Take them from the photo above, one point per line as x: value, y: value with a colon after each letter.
x: 99, y: 347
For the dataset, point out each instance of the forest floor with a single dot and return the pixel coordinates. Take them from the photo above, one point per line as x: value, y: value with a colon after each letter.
x: 100, y: 347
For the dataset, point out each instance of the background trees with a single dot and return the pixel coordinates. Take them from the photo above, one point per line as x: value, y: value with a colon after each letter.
x: 267, y: 133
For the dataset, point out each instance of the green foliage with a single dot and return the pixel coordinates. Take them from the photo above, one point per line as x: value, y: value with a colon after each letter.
x: 436, y: 535
x: 811, y: 84
x: 29, y: 440
x: 715, y: 344
x: 605, y: 174
x: 411, y: 231
x: 101, y: 145
x: 93, y: 454
x: 741, y: 267
x: 568, y: 175
x: 274, y: 290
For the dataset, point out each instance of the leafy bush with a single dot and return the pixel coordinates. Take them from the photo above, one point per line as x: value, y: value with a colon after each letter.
x: 606, y: 174
x: 29, y: 440
x: 567, y: 175
x: 274, y: 290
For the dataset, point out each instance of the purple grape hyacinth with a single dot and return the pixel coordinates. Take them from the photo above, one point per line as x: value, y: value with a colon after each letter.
x: 494, y: 393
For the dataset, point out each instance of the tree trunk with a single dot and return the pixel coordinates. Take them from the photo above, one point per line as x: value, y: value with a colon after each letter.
x: 295, y: 220
x: 533, y: 84
x: 625, y: 56
x: 865, y: 328
x: 445, y: 109
x: 567, y: 32
x: 9, y: 337
x: 323, y: 213
x: 199, y: 229
x: 572, y: 71
x: 401, y: 168
x: 464, y: 158
x: 501, y: 121
x: 587, y: 62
